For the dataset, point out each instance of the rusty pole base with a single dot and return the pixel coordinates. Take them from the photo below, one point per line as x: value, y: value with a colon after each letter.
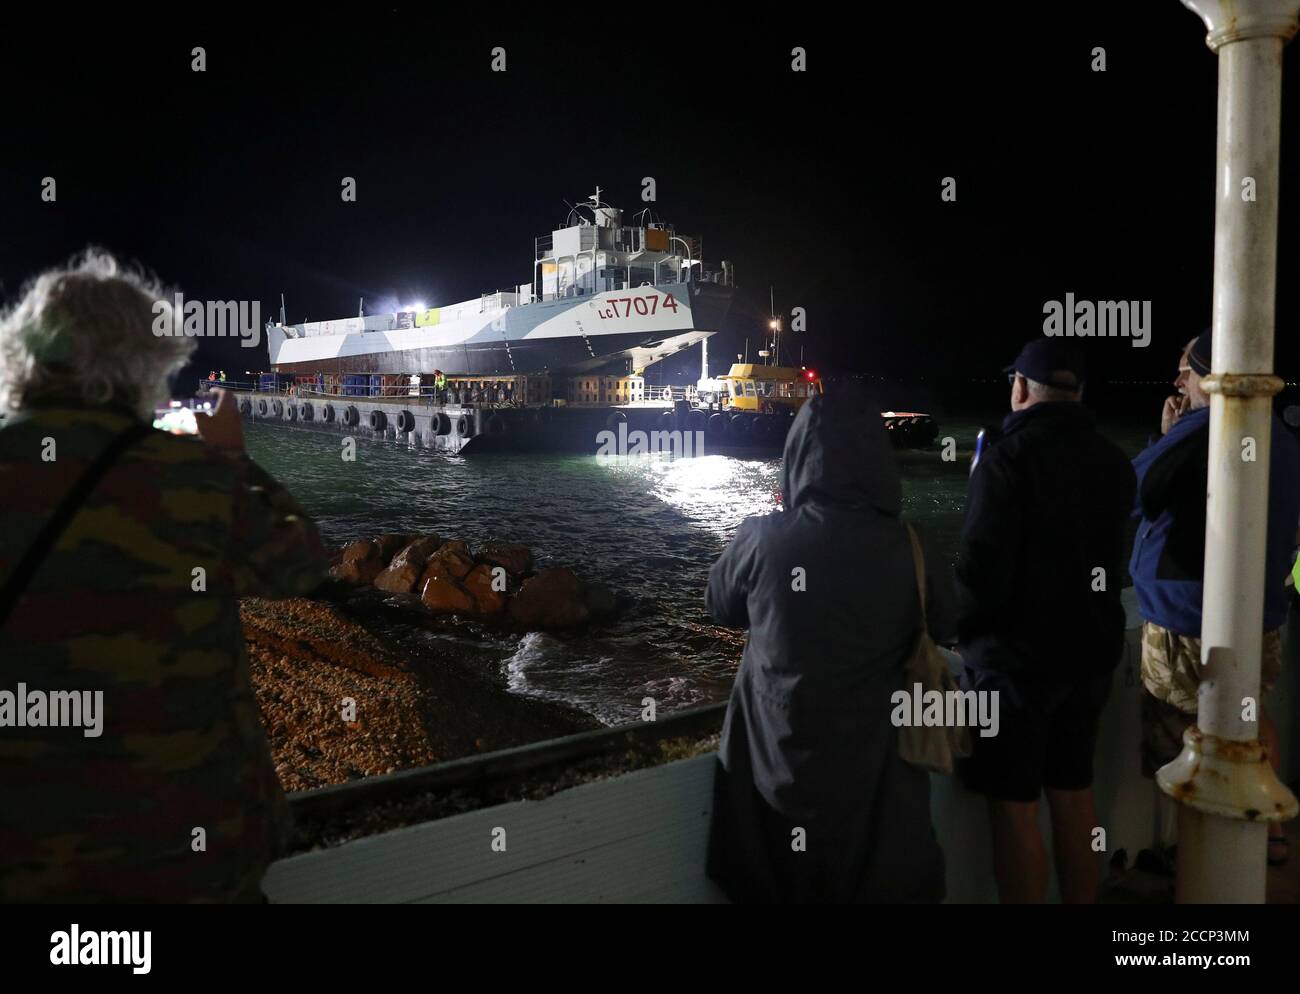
x: 1227, y: 794
x: 1226, y: 778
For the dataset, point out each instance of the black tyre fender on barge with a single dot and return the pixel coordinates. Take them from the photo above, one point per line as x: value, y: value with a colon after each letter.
x: 261, y: 408
x: 405, y: 421
x: 306, y: 411
x: 615, y: 419
x: 351, y: 417
x: 327, y: 414
x: 441, y: 424
x: 378, y: 420
x: 291, y: 412
x: 464, y: 426
x: 245, y: 408
x: 717, y: 425
x: 277, y: 408
x: 742, y: 426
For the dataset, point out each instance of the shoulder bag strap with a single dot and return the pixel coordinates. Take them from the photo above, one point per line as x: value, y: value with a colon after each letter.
x: 57, y: 524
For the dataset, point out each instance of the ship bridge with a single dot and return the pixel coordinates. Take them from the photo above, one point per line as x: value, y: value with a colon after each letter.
x: 595, y: 252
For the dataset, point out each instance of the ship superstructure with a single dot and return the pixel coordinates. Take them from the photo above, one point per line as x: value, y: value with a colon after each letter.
x: 604, y: 293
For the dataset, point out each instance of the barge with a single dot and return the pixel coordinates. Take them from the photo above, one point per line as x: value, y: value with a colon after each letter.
x: 749, y: 416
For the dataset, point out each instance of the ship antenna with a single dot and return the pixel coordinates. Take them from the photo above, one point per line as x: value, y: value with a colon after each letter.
x: 361, y: 307
x: 775, y: 325
x: 282, y: 320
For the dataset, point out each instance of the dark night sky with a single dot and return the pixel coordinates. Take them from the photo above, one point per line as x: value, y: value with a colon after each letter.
x: 824, y: 184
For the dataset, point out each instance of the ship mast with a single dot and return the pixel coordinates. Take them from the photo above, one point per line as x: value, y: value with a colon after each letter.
x: 774, y: 355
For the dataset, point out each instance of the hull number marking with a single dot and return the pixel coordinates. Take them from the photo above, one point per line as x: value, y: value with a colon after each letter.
x: 622, y: 307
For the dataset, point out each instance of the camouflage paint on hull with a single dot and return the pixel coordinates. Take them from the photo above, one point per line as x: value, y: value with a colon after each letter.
x: 573, y: 335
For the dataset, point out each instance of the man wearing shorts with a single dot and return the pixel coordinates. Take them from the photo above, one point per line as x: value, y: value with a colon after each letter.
x: 1039, y: 576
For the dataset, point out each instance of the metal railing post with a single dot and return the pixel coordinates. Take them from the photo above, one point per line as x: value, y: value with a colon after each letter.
x: 1227, y: 791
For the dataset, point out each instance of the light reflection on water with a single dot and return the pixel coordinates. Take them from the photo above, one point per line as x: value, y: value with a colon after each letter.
x: 649, y: 526
x: 715, y: 492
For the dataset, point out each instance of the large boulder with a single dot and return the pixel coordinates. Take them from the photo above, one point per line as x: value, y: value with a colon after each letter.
x: 358, y: 562
x: 362, y: 548
x: 407, y: 567
x: 444, y: 595
x: 390, y: 544
x: 357, y: 571
x: 452, y: 560
x: 487, y: 599
x: 551, y: 599
x: 515, y: 558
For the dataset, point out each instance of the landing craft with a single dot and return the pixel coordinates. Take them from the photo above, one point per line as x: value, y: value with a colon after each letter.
x: 602, y: 291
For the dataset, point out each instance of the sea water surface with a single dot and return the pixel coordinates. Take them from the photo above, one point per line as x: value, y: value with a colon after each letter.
x: 648, y: 526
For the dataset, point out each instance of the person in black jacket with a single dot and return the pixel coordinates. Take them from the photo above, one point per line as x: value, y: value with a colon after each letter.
x: 1040, y: 621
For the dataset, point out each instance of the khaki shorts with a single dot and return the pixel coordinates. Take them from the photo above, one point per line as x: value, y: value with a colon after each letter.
x: 1171, y: 675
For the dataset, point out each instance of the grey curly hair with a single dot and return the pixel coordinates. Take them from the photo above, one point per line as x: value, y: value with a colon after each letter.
x: 85, y: 331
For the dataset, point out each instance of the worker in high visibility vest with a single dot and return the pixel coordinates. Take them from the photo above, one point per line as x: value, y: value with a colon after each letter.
x: 439, y: 383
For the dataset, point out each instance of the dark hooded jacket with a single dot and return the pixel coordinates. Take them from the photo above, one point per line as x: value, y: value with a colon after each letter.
x: 808, y: 743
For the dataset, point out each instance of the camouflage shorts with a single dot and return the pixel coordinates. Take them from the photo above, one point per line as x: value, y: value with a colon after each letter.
x: 1171, y: 675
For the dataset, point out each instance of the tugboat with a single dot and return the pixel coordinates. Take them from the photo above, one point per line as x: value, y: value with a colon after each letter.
x: 751, y: 389
x: 769, y: 389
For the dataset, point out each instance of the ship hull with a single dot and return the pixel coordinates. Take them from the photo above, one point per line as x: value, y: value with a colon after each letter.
x: 566, y: 336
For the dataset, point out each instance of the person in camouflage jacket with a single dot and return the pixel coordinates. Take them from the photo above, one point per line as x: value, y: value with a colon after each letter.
x: 174, y: 798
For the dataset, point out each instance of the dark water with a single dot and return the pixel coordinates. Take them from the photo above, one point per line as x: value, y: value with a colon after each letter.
x: 650, y: 527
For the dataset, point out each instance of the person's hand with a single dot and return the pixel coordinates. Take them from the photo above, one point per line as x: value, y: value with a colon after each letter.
x: 222, y: 428
x: 1175, y: 407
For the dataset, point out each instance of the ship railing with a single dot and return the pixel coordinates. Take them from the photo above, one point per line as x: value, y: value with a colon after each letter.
x: 206, y: 384
x: 427, y: 396
x: 658, y: 393
x: 718, y: 276
x: 498, y: 299
x: 459, y: 394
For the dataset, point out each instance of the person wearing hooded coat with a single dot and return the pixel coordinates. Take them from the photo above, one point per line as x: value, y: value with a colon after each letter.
x: 828, y: 592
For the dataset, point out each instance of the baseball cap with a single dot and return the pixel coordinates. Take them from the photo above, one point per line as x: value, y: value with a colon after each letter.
x: 1052, y: 362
